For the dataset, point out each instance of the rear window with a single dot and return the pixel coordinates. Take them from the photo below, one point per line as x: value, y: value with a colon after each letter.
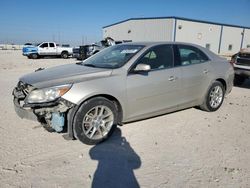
x: 191, y: 55
x: 52, y: 45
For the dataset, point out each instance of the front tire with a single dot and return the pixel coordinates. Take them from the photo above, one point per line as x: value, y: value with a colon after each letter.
x: 34, y: 56
x: 95, y: 120
x: 81, y: 57
x: 214, y: 97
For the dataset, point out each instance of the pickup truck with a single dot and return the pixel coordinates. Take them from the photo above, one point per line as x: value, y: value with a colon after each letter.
x: 241, y: 63
x: 47, y: 49
x: 83, y: 52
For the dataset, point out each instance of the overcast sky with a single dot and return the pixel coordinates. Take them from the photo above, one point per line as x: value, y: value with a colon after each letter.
x: 77, y: 21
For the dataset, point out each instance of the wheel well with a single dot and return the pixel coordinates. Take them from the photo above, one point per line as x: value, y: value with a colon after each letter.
x: 64, y: 52
x: 223, y: 83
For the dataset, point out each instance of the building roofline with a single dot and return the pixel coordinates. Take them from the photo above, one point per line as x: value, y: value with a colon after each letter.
x: 177, y: 18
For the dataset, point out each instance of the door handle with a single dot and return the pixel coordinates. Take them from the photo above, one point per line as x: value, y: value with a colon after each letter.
x: 205, y: 71
x: 171, y: 78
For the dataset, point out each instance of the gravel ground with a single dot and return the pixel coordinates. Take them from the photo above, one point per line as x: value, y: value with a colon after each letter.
x: 189, y: 148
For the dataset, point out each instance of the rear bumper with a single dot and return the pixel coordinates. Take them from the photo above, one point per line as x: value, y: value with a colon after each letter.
x: 229, y: 83
x: 242, y: 72
x: 75, y: 55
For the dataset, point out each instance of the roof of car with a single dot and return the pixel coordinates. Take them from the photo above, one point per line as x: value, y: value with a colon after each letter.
x: 205, y: 50
x: 157, y: 43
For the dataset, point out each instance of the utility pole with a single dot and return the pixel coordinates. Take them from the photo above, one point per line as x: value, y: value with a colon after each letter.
x: 53, y: 38
x: 83, y: 42
x: 59, y: 37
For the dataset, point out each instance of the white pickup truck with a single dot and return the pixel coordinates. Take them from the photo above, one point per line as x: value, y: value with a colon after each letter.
x: 47, y: 49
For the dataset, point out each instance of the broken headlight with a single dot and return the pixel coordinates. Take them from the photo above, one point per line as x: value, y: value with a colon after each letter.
x: 47, y: 94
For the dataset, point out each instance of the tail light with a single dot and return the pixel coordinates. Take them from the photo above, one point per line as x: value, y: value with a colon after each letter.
x: 232, y: 61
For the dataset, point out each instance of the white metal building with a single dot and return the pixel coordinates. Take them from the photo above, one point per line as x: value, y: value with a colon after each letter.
x: 220, y: 38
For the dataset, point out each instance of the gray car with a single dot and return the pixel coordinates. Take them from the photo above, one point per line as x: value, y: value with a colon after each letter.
x: 123, y: 83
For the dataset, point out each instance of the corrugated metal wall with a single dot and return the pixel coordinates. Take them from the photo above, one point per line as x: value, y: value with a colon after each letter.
x: 141, y: 30
x: 206, y: 35
x: 246, y: 39
x: 225, y: 40
x: 231, y: 40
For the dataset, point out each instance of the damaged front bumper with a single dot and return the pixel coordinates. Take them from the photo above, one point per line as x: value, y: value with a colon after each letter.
x: 22, y: 112
x: 52, y: 115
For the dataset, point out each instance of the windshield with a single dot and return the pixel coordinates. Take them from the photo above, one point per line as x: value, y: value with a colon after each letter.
x: 113, y: 57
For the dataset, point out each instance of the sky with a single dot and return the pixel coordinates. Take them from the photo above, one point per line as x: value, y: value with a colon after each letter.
x: 78, y: 22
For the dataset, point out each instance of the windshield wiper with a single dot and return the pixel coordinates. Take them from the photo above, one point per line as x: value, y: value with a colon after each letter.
x: 89, y: 65
x: 79, y: 63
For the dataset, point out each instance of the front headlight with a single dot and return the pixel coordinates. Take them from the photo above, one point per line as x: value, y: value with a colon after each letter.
x: 47, y: 94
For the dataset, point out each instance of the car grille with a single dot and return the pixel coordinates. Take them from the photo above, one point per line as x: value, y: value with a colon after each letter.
x: 21, y: 90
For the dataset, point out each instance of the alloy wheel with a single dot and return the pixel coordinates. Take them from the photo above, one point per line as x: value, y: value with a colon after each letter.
x: 215, y: 96
x: 97, y: 122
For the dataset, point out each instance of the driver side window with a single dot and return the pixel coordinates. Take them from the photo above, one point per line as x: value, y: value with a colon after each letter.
x: 158, y: 57
x: 44, y: 45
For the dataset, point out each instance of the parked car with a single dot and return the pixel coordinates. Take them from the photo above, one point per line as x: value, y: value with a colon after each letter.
x: 241, y: 63
x: 85, y: 51
x: 28, y: 44
x: 123, y: 83
x: 46, y: 49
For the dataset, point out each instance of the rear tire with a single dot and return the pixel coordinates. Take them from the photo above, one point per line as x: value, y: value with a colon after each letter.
x: 64, y: 55
x: 95, y: 120
x: 214, y: 97
x: 238, y: 80
x: 81, y: 57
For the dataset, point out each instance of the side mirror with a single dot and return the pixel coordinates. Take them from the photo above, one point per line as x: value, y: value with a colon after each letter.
x: 142, y: 68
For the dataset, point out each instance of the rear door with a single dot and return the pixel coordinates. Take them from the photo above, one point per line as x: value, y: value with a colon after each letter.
x: 195, y: 73
x: 157, y: 89
x: 52, y: 49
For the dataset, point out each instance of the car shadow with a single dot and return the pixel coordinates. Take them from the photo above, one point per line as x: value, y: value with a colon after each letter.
x: 116, y: 162
x: 245, y: 85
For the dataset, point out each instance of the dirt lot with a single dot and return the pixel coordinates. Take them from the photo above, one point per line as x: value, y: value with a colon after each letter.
x: 189, y: 148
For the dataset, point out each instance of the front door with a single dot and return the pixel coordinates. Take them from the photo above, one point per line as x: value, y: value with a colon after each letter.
x: 43, y: 48
x: 155, y: 90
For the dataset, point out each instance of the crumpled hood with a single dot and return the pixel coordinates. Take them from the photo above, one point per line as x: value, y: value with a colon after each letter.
x: 64, y: 74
